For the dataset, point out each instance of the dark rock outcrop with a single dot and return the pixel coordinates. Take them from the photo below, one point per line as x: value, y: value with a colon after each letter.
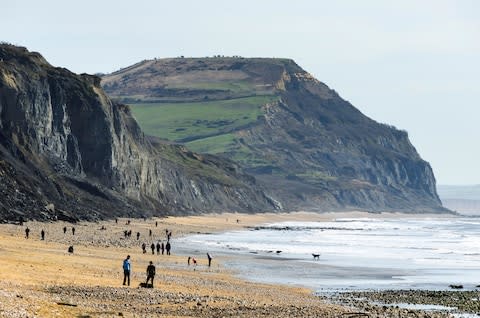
x: 67, y: 151
x: 309, y: 147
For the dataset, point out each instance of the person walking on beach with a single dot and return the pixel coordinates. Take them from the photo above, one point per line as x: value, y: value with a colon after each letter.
x: 150, y: 233
x: 27, y: 232
x: 163, y: 248
x: 144, y: 248
x: 153, y: 248
x: 64, y: 229
x: 126, y: 270
x: 138, y: 236
x: 150, y: 273
x: 209, y: 259
x: 168, y: 247
x: 188, y: 260
x: 42, y: 234
x: 158, y: 248
x: 73, y: 230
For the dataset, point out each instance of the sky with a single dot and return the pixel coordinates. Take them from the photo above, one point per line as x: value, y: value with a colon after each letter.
x: 408, y: 63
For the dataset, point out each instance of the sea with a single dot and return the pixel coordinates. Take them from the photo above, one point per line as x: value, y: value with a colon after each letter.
x: 355, y: 254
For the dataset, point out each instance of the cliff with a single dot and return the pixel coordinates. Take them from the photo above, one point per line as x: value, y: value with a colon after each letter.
x: 68, y: 152
x: 305, y: 144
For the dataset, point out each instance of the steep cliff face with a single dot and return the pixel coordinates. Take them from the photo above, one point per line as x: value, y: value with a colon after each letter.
x: 324, y: 142
x: 68, y: 151
x: 304, y: 143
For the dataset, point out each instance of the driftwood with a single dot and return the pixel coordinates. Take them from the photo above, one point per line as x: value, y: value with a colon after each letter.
x: 67, y: 304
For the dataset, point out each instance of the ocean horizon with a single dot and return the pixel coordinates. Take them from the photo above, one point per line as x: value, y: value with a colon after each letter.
x: 357, y: 254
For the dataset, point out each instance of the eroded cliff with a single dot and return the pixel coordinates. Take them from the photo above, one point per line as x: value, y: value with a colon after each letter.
x: 67, y: 151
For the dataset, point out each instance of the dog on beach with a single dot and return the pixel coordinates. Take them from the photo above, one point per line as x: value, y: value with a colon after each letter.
x: 316, y: 256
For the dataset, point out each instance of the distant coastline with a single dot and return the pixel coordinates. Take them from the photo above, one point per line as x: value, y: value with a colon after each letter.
x: 464, y: 199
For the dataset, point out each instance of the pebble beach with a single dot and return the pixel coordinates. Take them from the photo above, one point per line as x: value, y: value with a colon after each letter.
x: 40, y: 278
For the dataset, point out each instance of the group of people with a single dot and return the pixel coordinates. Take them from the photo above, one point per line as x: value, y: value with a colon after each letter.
x: 127, y: 268
x: 151, y: 270
x: 160, y: 247
x: 42, y: 232
x: 191, y: 259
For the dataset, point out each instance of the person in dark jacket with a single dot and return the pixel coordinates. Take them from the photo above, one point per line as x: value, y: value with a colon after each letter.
x: 150, y: 273
x: 168, y: 247
x: 209, y: 259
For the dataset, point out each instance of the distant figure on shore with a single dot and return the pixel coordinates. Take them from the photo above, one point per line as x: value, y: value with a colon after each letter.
x: 138, y: 236
x: 168, y: 248
x: 64, y: 229
x: 194, y: 261
x: 188, y: 260
x: 169, y: 235
x: 144, y: 248
x: 150, y: 233
x: 150, y: 273
x: 42, y: 235
x: 116, y: 221
x: 209, y: 259
x: 27, y: 232
x: 125, y: 233
x: 126, y: 270
x: 73, y: 230
x: 163, y: 248
x: 156, y: 223
x: 153, y: 248
x: 158, y: 248
x: 70, y: 249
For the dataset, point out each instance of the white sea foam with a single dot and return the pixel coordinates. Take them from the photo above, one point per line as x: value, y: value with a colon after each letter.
x: 356, y: 253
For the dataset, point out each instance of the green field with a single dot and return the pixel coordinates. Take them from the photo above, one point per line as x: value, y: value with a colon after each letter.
x: 213, y: 145
x: 199, y: 120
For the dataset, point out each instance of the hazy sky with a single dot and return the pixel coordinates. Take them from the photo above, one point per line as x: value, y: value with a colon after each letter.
x: 414, y: 64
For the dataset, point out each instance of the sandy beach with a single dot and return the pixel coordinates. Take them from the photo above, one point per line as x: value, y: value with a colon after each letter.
x: 39, y: 278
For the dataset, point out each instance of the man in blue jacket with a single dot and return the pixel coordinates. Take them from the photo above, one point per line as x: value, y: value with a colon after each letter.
x: 126, y: 270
